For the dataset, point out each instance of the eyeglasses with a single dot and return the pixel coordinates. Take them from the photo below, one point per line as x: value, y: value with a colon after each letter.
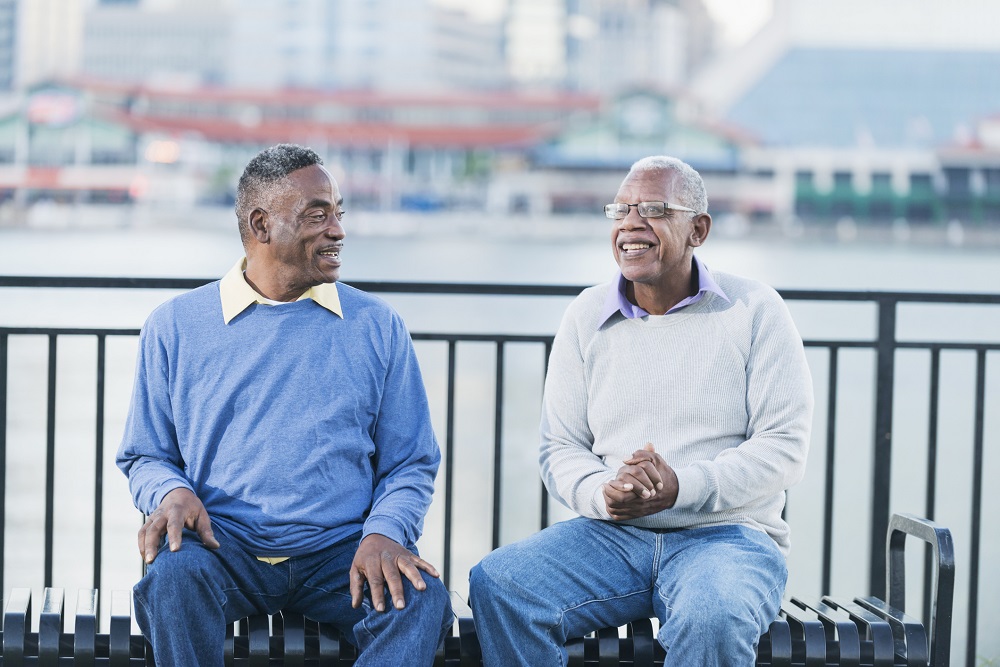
x: 646, y: 209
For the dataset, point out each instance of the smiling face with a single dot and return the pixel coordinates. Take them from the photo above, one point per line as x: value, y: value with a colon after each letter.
x: 654, y: 254
x: 299, y: 236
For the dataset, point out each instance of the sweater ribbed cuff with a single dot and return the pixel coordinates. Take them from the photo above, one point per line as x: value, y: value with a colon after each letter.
x: 382, y: 525
x: 692, y: 488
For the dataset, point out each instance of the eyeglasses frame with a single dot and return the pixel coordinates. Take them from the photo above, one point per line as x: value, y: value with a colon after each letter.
x: 667, y: 206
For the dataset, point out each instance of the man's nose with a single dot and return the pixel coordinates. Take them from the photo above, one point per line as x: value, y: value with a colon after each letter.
x: 335, y: 229
x: 632, y: 219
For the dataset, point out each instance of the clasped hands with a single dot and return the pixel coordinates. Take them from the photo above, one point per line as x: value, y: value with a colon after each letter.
x: 644, y: 485
x: 379, y: 560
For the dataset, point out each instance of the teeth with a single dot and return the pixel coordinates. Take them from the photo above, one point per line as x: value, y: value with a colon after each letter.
x: 634, y: 246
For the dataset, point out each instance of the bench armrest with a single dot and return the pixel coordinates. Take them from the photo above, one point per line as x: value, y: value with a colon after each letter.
x: 942, y: 568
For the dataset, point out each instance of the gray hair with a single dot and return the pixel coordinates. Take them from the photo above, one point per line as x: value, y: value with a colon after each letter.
x: 264, y: 176
x: 688, y: 186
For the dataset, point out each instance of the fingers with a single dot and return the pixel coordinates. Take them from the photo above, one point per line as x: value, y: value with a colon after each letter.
x: 644, y: 478
x: 175, y: 527
x: 179, y: 509
x: 367, y: 566
x: 203, y: 526
x: 391, y: 575
x: 357, y: 587
x: 411, y: 568
x: 383, y: 563
x: 149, y: 538
x: 644, y: 466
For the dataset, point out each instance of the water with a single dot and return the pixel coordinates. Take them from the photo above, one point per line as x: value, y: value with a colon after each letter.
x: 477, y: 249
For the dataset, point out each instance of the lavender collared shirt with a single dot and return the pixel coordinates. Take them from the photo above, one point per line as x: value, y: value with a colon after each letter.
x: 617, y: 302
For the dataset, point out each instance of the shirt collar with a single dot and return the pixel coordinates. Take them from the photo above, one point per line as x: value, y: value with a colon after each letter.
x: 237, y: 295
x: 617, y: 302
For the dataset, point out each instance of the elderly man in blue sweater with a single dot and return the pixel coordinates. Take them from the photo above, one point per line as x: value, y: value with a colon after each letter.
x: 676, y: 413
x: 280, y: 441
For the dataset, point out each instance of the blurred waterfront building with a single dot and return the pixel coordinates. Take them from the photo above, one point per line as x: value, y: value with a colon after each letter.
x: 50, y: 40
x: 604, y: 46
x: 399, y: 45
x: 615, y: 45
x: 863, y: 111
x: 102, y: 143
x: 184, y: 42
x: 8, y: 44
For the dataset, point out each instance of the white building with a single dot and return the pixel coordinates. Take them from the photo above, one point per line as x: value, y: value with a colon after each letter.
x: 50, y: 40
x: 620, y: 44
x: 269, y: 44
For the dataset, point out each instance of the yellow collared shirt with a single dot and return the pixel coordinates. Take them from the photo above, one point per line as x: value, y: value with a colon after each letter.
x: 237, y: 295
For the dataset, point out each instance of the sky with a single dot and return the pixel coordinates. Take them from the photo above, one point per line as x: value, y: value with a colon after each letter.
x: 739, y: 18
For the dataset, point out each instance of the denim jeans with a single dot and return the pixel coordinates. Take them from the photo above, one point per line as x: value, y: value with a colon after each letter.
x: 187, y: 599
x: 714, y: 590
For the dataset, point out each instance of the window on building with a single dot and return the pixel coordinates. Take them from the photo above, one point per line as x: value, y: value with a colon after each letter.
x: 804, y: 178
x: 881, y: 181
x: 920, y: 182
x: 842, y: 180
x: 991, y: 178
x: 957, y: 179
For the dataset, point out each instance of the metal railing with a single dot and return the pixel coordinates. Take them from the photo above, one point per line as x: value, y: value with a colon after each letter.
x: 885, y: 345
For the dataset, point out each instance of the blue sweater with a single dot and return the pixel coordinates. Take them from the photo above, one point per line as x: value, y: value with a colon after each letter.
x: 296, y: 428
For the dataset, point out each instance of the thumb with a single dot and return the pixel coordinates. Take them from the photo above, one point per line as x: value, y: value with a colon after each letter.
x: 649, y: 447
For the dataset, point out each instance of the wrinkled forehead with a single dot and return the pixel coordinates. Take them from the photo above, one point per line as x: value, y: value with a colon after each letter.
x: 646, y: 185
x: 314, y: 182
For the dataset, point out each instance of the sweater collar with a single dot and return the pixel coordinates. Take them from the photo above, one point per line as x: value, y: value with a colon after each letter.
x: 617, y: 302
x: 237, y: 295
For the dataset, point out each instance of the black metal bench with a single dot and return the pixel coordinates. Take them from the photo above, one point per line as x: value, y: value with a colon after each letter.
x: 858, y: 632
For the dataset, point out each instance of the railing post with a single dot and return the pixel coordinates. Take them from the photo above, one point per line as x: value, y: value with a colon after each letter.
x: 882, y: 464
x: 50, y: 461
x: 3, y: 454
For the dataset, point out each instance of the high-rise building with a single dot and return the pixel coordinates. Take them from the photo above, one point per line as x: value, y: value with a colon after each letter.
x: 8, y: 43
x: 176, y: 42
x: 331, y: 44
x: 50, y: 40
x: 606, y: 45
x: 535, y: 42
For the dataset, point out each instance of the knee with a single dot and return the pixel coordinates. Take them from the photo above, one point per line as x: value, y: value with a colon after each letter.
x: 434, y: 600
x: 489, y: 579
x: 729, y: 621
x: 176, y: 575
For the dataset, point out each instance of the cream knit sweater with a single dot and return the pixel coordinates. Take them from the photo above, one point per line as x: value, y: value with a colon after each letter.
x: 722, y: 390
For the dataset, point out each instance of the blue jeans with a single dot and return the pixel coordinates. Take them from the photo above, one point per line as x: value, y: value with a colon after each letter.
x: 714, y: 590
x: 187, y: 599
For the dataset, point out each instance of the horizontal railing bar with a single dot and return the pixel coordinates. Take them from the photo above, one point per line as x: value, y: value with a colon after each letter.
x: 485, y: 338
x: 839, y: 343
x: 66, y: 331
x: 425, y: 336
x: 103, y: 282
x: 979, y: 347
x: 506, y: 289
x: 524, y: 338
x: 912, y: 344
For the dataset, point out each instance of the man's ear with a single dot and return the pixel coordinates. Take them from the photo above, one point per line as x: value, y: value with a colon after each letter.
x: 258, y: 223
x: 701, y: 225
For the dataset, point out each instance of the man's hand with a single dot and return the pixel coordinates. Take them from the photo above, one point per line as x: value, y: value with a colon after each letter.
x: 645, y: 485
x: 179, y: 509
x: 381, y: 561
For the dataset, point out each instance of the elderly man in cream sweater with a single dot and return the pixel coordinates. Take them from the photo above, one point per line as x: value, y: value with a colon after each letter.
x: 676, y: 413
